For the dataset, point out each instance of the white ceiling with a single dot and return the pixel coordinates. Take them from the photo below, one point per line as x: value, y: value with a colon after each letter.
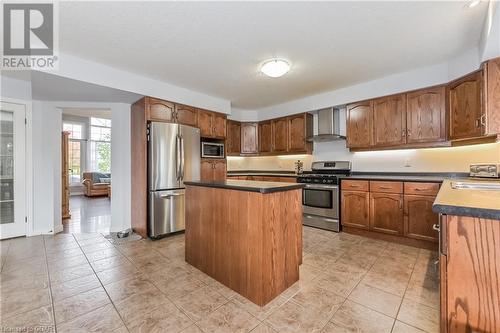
x: 216, y: 47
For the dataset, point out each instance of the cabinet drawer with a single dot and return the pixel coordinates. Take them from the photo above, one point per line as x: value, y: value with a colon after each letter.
x: 355, y: 185
x: 422, y: 188
x: 386, y: 187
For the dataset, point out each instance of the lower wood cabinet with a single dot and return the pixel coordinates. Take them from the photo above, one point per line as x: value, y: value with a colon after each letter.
x: 213, y: 170
x: 401, y: 209
x: 419, y: 217
x: 355, y: 209
x: 386, y: 213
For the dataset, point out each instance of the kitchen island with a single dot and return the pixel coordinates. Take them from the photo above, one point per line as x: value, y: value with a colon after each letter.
x: 246, y: 234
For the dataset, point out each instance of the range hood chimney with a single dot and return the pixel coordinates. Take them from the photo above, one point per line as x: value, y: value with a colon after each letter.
x: 328, y: 126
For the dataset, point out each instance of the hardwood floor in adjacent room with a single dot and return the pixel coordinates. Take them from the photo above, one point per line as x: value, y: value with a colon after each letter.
x: 88, y: 215
x: 83, y: 282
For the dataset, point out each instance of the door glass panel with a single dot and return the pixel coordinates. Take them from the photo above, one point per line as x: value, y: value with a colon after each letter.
x: 317, y: 198
x: 75, y: 161
x: 6, y: 167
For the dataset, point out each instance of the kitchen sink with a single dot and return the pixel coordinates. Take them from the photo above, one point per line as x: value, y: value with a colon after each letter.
x: 475, y: 186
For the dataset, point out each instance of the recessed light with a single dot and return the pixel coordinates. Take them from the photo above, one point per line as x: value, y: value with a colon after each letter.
x: 275, y: 67
x: 474, y: 3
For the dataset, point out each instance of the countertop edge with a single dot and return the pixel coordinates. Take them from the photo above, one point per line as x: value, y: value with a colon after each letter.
x: 263, y: 190
x: 485, y: 213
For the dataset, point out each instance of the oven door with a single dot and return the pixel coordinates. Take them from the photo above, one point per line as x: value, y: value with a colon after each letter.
x: 321, y: 200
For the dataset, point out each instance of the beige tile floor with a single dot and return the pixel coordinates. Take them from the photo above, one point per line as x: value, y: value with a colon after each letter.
x: 84, y: 283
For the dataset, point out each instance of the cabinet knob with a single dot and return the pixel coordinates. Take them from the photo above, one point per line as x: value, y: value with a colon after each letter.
x: 408, y: 133
x: 403, y: 133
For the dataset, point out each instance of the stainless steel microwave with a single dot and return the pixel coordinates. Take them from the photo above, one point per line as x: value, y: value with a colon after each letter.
x: 212, y: 149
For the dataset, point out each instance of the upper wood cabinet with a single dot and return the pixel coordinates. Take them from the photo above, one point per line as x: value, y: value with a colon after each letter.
x: 300, y: 128
x: 389, y: 120
x: 249, y: 138
x: 465, y: 98
x: 492, y: 89
x: 186, y: 115
x: 280, y: 135
x: 233, y: 140
x: 426, y: 115
x: 359, y: 124
x: 265, y: 137
x: 211, y: 124
x: 159, y: 110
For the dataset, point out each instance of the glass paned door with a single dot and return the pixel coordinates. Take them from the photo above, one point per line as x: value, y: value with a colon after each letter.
x: 12, y: 172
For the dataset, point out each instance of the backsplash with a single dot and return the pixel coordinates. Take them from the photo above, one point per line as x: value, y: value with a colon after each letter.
x: 453, y: 159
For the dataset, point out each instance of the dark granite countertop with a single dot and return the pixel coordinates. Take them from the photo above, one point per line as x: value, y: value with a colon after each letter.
x: 484, y: 203
x: 248, y: 185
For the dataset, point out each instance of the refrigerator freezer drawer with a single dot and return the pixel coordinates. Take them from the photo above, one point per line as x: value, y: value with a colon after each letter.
x: 166, y: 212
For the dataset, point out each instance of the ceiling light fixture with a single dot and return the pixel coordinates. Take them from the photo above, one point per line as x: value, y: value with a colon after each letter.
x: 275, y: 67
x: 474, y: 3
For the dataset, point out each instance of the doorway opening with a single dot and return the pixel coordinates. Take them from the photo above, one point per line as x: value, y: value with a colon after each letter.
x: 86, y: 163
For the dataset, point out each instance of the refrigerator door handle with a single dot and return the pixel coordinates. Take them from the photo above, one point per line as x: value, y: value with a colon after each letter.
x: 168, y: 196
x: 178, y: 157
x: 182, y: 158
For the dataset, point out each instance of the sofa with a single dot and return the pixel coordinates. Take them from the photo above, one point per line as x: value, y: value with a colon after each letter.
x: 96, y: 184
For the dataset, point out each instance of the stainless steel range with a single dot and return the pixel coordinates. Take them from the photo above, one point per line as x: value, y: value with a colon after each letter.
x: 320, y: 197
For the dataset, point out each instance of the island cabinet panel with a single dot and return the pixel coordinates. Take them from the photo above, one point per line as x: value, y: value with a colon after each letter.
x: 465, y: 98
x: 265, y: 137
x: 426, y: 115
x: 389, y: 120
x: 386, y: 213
x: 419, y: 217
x: 359, y: 124
x: 279, y: 135
x: 356, y: 209
x: 159, y: 110
x: 233, y: 140
x: 472, y: 275
x: 249, y: 241
x: 249, y: 138
x: 186, y: 115
x: 300, y: 128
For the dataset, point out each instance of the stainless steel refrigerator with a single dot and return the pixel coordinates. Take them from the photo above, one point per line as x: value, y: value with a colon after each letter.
x: 173, y: 156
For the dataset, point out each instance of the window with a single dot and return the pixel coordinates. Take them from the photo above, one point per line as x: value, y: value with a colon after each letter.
x: 100, y: 144
x: 75, y: 130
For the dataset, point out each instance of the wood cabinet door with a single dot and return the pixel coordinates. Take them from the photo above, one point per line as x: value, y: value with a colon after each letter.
x: 466, y: 106
x: 355, y: 209
x: 233, y: 140
x: 265, y: 137
x: 249, y: 138
x: 159, y: 110
x: 359, y: 124
x: 219, y: 124
x: 299, y: 130
x: 386, y: 213
x: 426, y: 115
x: 219, y: 170
x: 186, y: 115
x: 419, y: 217
x: 492, y: 93
x: 207, y: 170
x: 389, y: 120
x: 280, y: 135
x: 205, y: 120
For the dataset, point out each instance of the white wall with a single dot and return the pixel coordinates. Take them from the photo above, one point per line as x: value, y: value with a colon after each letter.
x: 89, y: 71
x: 120, y: 168
x: 489, y: 45
x: 15, y: 88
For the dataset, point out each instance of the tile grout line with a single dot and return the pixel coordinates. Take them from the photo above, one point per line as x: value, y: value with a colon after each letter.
x: 102, y: 285
x: 50, y: 285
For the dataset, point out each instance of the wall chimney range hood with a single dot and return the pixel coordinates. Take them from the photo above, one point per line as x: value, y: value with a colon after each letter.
x: 328, y: 126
